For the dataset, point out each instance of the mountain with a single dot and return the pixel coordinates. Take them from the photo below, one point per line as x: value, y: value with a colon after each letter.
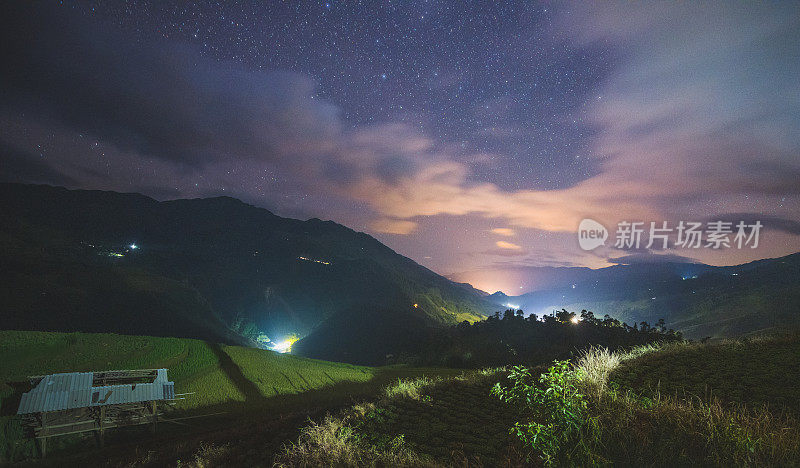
x: 214, y: 268
x: 698, y: 300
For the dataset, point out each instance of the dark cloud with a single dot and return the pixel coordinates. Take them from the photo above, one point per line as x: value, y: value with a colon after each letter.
x: 158, y: 98
x: 646, y: 258
x: 770, y: 222
x: 19, y: 166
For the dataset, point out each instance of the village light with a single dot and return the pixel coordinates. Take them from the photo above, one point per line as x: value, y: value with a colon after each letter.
x: 284, y: 346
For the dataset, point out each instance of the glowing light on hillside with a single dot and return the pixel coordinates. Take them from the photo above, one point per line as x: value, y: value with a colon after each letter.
x: 323, y: 262
x: 284, y: 346
x: 416, y: 306
x: 133, y: 246
x: 575, y: 320
x: 511, y: 306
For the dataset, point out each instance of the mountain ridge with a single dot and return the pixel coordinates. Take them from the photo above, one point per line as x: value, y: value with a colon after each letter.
x: 237, y: 271
x: 697, y: 299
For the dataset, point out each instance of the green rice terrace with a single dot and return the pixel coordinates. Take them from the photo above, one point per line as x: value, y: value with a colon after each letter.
x: 572, y: 414
x: 223, y: 381
x: 754, y: 372
x: 685, y: 403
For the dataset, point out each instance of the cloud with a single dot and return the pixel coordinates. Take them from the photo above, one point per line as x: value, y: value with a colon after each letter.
x: 21, y: 167
x: 699, y: 113
x: 775, y: 223
x: 646, y: 258
x: 504, y: 232
x: 158, y: 99
x: 393, y: 226
x: 506, y: 252
x: 698, y: 116
x: 507, y: 245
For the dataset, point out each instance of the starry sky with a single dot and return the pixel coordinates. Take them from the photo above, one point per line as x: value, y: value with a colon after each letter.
x: 470, y: 136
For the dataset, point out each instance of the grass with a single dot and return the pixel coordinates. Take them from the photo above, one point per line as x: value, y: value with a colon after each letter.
x: 222, y: 377
x: 418, y: 422
x: 627, y: 420
x: 264, y: 396
x: 755, y: 372
x: 638, y: 425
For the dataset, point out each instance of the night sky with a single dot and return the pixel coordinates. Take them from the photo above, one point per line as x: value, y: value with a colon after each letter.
x: 470, y: 136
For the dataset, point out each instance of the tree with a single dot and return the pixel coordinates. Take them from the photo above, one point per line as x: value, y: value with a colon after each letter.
x: 564, y: 316
x: 588, y: 317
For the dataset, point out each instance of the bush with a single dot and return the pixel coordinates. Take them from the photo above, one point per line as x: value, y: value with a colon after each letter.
x: 576, y: 417
x: 558, y: 409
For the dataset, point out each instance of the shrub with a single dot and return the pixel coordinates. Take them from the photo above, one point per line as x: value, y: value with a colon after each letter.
x: 557, y: 407
x: 577, y: 417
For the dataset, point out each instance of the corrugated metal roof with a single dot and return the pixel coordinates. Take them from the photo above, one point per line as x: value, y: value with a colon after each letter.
x: 57, y: 392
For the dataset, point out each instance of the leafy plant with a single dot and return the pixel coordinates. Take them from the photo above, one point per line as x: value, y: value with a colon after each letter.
x: 558, y: 410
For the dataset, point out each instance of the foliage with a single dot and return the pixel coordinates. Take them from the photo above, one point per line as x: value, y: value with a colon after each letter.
x: 615, y: 426
x: 512, y: 339
x: 557, y: 408
x: 443, y: 421
x: 753, y: 371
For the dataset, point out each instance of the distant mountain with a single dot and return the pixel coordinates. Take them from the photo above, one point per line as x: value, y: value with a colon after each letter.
x: 696, y: 299
x: 213, y: 268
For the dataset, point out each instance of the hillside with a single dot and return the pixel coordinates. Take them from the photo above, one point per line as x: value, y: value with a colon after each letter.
x: 709, y: 410
x: 215, y: 269
x: 695, y: 299
x: 267, y: 394
x: 756, y: 372
x: 217, y: 376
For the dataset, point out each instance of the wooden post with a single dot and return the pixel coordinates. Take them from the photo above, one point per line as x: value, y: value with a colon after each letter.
x: 42, y: 432
x: 154, y: 406
x: 100, y: 426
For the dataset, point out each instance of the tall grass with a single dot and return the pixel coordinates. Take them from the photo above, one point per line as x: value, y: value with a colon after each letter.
x: 334, y: 442
x: 367, y: 434
x: 630, y: 429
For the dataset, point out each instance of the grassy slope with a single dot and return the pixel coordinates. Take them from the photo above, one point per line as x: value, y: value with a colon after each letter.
x: 220, y: 376
x: 274, y: 392
x: 457, y: 421
x: 753, y: 372
x: 420, y: 422
x: 195, y: 366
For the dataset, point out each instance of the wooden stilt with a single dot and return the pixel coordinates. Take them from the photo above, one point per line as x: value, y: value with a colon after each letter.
x: 100, y: 426
x: 43, y: 440
x: 154, y: 406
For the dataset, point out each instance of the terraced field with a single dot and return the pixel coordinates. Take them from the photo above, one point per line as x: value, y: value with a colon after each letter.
x: 258, y: 398
x: 751, y: 372
x: 419, y: 422
x: 452, y: 420
x: 225, y: 378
